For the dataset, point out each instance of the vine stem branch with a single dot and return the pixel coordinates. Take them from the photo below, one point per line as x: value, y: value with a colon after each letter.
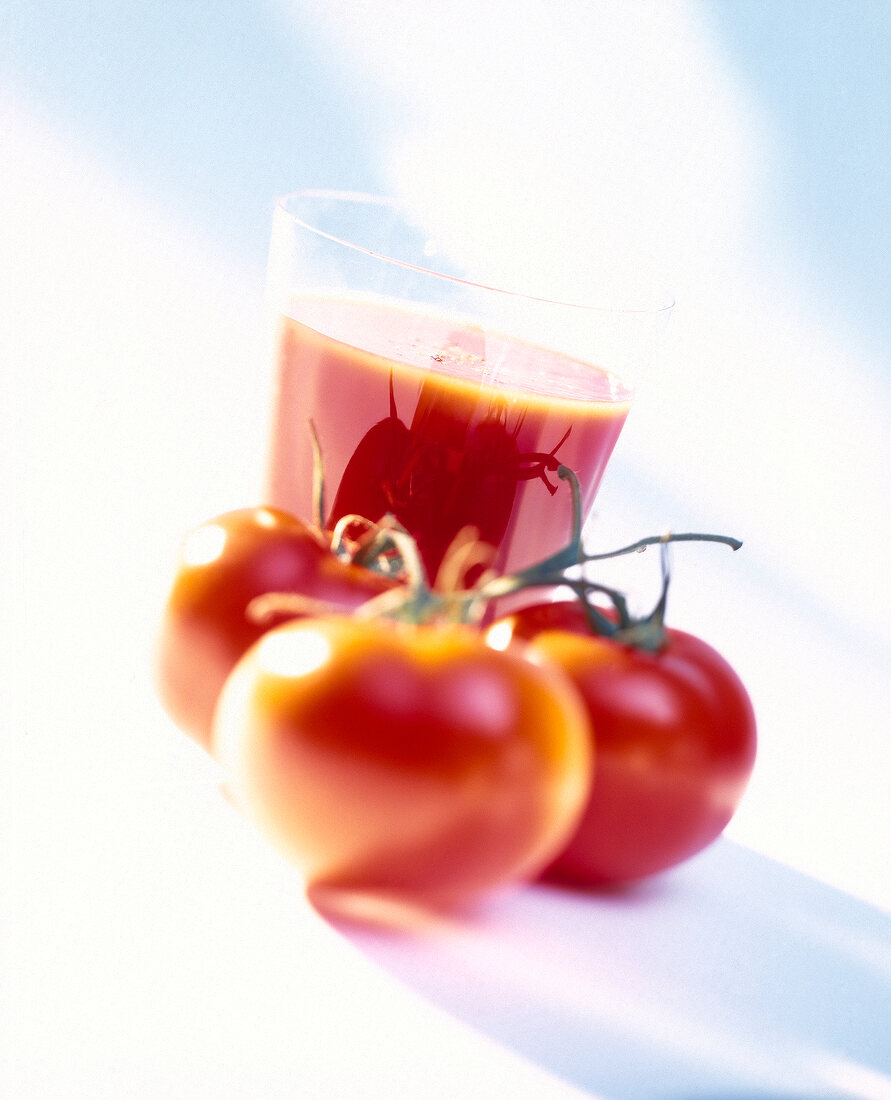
x: 388, y: 548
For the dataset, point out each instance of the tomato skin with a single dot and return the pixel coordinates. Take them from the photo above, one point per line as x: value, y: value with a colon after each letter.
x: 675, y: 735
x: 403, y: 762
x: 226, y: 563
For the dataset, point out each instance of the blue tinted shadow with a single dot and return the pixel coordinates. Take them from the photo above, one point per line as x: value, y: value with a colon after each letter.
x: 731, y: 976
x: 821, y: 72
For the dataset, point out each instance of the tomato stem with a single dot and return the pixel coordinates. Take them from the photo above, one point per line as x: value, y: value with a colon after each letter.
x: 272, y: 605
x: 653, y: 540
x: 318, y: 479
x: 465, y: 553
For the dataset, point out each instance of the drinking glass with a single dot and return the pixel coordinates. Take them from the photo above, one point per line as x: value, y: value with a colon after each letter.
x: 435, y: 399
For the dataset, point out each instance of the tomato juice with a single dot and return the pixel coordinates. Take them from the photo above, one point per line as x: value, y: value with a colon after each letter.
x: 439, y: 423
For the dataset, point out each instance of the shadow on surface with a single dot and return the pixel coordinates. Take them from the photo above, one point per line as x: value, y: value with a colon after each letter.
x: 732, y: 977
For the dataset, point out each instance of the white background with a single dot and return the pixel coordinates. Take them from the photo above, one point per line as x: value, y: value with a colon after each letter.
x: 152, y: 945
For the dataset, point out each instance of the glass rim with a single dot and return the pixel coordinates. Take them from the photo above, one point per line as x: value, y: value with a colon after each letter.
x: 369, y: 199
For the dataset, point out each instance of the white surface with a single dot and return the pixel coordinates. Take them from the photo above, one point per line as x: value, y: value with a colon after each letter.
x: 152, y: 945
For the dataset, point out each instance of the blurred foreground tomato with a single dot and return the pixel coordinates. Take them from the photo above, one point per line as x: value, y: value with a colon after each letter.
x: 225, y: 564
x: 675, y: 735
x: 403, y: 762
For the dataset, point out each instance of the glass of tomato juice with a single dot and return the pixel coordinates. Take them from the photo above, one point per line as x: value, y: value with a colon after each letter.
x: 443, y: 402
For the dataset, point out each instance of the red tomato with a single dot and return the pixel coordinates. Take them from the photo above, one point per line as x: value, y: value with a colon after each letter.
x: 225, y: 564
x: 403, y: 762
x: 675, y: 736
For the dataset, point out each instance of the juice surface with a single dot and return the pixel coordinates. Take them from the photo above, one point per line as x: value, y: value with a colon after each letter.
x: 441, y: 425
